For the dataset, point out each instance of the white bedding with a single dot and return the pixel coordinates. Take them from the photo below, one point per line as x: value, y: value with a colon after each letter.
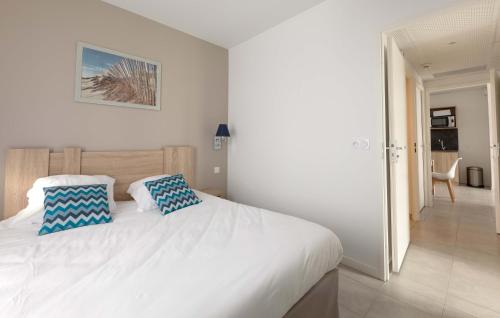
x: 216, y: 259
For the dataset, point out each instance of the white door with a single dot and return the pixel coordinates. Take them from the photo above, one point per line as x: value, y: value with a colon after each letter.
x: 398, y: 155
x: 420, y: 148
x: 494, y: 114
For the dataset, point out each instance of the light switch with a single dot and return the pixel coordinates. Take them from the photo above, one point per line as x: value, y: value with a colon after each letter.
x: 216, y: 170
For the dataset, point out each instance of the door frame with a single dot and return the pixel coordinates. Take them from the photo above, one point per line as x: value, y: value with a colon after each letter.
x: 475, y: 80
x: 421, y: 126
x: 418, y: 129
x: 427, y: 128
x: 493, y: 118
x: 386, y: 221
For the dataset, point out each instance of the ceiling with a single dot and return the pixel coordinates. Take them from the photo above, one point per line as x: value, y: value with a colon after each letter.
x: 222, y: 22
x: 461, y: 39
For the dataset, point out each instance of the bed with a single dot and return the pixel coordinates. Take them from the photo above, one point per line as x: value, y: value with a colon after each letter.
x: 214, y: 259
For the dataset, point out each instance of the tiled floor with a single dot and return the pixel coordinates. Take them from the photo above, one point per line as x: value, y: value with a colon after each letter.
x: 465, y: 194
x: 452, y: 270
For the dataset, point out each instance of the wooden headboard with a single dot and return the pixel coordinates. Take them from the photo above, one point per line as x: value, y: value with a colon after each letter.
x: 24, y: 166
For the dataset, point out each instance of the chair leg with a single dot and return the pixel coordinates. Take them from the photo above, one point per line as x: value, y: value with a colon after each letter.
x: 433, y: 187
x: 450, y: 189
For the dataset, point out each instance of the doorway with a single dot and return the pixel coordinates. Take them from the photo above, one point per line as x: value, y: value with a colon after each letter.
x: 414, y: 84
x: 467, y: 138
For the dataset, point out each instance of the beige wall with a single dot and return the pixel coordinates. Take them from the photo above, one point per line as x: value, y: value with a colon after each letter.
x: 37, y: 67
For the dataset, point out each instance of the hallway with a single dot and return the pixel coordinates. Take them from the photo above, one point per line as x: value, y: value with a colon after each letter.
x: 452, y: 269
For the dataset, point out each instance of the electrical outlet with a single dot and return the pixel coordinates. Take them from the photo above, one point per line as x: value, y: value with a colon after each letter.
x: 360, y: 143
x: 216, y: 170
x: 365, y: 144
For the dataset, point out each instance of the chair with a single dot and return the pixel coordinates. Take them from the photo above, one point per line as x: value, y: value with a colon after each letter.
x: 446, y: 178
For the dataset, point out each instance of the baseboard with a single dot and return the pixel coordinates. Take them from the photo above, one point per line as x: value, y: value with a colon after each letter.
x: 364, y: 268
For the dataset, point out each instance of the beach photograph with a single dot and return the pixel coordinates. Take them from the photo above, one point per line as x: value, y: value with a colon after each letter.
x: 112, y: 78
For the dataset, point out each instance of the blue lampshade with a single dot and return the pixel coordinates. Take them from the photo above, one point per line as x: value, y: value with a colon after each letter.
x: 222, y: 131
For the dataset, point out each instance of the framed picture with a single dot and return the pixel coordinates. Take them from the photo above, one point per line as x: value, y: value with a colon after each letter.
x: 108, y: 77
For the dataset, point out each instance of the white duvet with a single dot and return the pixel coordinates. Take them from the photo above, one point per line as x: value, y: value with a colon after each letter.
x: 216, y: 259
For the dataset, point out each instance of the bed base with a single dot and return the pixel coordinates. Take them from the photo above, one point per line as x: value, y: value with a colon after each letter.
x: 321, y: 301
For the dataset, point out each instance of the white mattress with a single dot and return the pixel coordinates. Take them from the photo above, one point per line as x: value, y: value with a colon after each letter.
x: 216, y: 259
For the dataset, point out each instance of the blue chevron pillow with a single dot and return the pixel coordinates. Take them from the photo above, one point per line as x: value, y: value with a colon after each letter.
x: 171, y: 193
x: 69, y: 207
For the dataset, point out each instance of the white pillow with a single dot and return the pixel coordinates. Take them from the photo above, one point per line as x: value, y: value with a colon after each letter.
x: 141, y: 194
x: 36, y: 195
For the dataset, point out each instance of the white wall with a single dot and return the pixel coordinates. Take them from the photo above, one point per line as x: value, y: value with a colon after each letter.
x: 473, y: 130
x: 298, y: 94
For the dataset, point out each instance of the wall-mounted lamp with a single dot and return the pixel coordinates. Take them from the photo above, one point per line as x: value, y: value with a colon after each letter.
x: 221, y: 135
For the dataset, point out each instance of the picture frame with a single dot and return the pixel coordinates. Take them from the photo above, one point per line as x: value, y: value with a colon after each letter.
x: 108, y: 77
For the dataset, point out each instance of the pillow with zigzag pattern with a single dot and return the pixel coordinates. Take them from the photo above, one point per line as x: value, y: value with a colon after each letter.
x: 171, y: 193
x: 69, y: 207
